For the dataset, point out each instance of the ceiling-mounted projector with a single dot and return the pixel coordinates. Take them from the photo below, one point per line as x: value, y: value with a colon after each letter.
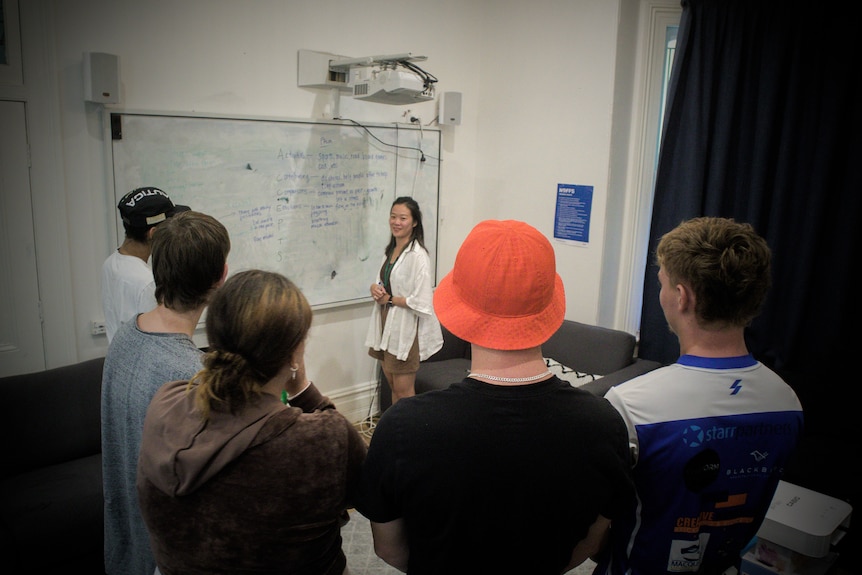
x: 389, y: 85
x: 389, y: 79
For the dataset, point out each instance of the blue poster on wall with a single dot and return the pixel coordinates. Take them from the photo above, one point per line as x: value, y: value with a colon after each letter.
x: 573, y: 212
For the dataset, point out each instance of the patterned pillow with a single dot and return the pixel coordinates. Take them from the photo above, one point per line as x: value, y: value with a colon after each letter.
x: 576, y: 378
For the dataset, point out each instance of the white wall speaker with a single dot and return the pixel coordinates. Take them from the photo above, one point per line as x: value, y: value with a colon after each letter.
x: 101, y: 78
x: 450, y: 109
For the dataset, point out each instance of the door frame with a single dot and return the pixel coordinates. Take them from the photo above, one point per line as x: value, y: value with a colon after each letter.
x: 40, y: 93
x: 21, y: 346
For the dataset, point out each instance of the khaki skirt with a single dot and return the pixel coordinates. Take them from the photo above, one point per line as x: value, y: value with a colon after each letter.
x: 392, y: 364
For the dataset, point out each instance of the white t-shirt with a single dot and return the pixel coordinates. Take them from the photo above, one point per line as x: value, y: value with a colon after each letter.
x: 128, y: 289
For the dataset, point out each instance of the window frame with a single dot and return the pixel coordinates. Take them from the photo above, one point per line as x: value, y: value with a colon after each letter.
x: 651, y: 78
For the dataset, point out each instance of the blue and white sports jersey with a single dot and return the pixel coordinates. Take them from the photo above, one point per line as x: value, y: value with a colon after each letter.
x: 710, y: 438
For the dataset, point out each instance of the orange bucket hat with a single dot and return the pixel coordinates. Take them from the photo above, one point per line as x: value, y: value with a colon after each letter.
x: 504, y: 291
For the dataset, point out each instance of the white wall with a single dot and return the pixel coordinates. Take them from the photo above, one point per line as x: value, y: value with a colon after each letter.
x: 547, y: 90
x: 537, y: 80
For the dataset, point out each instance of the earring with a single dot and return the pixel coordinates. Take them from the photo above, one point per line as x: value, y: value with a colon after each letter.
x: 293, y: 371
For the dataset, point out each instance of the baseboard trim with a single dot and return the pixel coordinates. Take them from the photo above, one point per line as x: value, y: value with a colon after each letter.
x: 357, y: 402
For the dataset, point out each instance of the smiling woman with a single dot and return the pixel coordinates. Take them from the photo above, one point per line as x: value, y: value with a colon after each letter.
x: 404, y: 329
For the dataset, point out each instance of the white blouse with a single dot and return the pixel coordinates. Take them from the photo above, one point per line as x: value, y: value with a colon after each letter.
x: 410, y: 278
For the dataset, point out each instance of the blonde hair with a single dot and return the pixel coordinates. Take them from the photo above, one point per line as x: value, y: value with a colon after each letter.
x: 725, y: 263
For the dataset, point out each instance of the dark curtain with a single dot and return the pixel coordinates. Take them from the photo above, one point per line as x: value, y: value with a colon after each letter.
x: 764, y: 124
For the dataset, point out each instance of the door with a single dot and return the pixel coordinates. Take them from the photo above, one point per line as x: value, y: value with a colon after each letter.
x: 21, y: 345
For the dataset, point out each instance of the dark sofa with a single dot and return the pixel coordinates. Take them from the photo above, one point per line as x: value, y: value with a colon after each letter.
x: 51, y: 506
x: 587, y: 349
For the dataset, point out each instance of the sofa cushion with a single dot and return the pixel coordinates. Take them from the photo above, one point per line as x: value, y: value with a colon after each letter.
x: 453, y: 348
x: 440, y: 374
x: 639, y: 367
x: 52, y: 513
x: 54, y: 416
x: 604, y: 356
x: 590, y: 348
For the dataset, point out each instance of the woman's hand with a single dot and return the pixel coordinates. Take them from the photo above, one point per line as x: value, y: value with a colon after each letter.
x: 378, y: 292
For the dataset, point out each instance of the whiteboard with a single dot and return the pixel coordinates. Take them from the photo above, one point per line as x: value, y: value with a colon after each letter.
x: 307, y: 199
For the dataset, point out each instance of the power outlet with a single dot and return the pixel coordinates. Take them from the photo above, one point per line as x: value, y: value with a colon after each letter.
x: 97, y: 328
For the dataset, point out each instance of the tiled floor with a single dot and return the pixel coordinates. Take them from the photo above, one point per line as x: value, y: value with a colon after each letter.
x: 585, y: 568
x: 361, y: 560
x: 356, y: 537
x: 359, y: 548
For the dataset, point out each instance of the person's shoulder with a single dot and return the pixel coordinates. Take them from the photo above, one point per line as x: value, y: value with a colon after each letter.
x: 409, y: 408
x: 417, y: 249
x: 126, y: 337
x: 177, y: 362
x: 329, y: 418
x: 182, y: 349
x: 768, y: 373
x: 127, y: 269
x: 648, y: 380
x: 584, y: 400
x: 429, y: 404
x: 106, y: 263
x: 112, y: 265
x: 777, y: 386
x: 172, y: 388
x: 118, y: 259
x: 161, y: 349
x: 318, y: 424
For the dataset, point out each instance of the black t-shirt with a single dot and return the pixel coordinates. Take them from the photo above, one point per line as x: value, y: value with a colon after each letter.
x: 496, y: 479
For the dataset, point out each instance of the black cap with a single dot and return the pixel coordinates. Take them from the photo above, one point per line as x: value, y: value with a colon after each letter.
x: 148, y: 206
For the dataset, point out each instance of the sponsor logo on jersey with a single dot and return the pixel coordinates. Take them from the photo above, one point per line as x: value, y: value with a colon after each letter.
x: 758, y: 456
x: 701, y: 470
x: 697, y: 436
x: 686, y: 554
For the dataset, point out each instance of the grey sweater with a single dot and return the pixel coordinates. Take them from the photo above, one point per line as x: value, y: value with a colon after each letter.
x: 137, y: 364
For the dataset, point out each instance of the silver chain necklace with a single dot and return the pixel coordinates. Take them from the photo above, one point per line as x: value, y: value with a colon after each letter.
x: 511, y: 379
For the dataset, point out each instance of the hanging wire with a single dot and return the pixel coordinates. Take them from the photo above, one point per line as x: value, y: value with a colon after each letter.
x: 367, y: 425
x: 396, y: 146
x: 427, y: 79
